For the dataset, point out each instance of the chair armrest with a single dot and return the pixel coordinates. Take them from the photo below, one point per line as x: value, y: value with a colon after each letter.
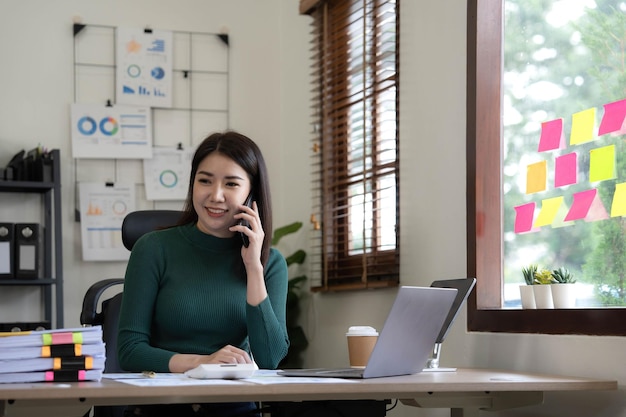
x: 89, y: 315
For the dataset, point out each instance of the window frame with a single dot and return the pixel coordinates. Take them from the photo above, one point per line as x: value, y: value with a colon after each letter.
x: 376, y: 266
x: 485, y: 20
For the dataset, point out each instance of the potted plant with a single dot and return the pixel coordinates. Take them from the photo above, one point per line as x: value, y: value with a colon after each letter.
x: 298, y: 341
x: 527, y: 294
x: 563, y: 290
x: 542, y: 288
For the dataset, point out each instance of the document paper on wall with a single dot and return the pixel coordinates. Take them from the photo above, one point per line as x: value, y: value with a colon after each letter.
x: 144, y: 67
x: 100, y: 131
x: 166, y: 175
x: 103, y: 208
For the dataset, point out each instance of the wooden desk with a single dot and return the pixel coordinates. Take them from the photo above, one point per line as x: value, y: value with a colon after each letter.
x: 465, y: 392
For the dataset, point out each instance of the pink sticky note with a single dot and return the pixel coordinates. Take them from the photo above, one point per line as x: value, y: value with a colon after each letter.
x: 551, y: 135
x: 565, y: 169
x: 524, y: 217
x: 613, y: 119
x: 581, y: 205
x: 597, y: 211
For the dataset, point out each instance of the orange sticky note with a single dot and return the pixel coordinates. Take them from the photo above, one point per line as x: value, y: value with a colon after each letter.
x: 547, y: 214
x: 618, y: 207
x: 536, y: 177
x: 602, y: 163
x: 583, y: 123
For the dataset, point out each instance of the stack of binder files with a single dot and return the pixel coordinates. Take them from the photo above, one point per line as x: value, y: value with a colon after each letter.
x: 61, y: 355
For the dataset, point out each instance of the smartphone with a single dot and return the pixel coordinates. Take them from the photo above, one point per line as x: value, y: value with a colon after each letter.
x: 242, y: 222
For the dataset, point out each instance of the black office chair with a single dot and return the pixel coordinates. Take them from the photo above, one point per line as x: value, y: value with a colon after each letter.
x: 135, y: 225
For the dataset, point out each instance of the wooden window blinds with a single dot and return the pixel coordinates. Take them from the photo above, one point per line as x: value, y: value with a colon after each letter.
x: 355, y: 143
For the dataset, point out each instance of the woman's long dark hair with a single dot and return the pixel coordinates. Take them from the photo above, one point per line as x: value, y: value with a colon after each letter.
x: 245, y: 153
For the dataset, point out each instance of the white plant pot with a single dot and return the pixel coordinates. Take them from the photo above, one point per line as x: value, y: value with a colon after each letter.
x: 543, y: 296
x: 564, y: 295
x: 527, y: 295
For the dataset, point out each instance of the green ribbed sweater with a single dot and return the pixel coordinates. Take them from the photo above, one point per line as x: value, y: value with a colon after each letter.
x: 185, y: 292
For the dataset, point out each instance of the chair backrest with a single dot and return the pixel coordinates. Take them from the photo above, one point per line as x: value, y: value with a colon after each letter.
x: 138, y: 223
x: 135, y: 225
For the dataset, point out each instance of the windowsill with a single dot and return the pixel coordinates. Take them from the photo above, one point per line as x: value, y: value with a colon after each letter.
x: 582, y: 321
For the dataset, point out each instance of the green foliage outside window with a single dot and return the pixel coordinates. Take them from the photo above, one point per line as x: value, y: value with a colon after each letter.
x: 557, y: 62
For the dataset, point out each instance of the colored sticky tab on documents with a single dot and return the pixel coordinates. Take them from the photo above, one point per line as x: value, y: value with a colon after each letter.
x: 583, y: 123
x: 581, y: 205
x: 551, y: 135
x: 547, y: 214
x: 565, y: 170
x: 618, y: 207
x: 613, y: 118
x: 62, y: 338
x: 65, y: 376
x: 524, y: 217
x: 602, y: 163
x: 78, y: 363
x: 536, y: 177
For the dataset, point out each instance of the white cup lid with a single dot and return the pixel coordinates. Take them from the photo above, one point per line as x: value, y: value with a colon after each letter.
x: 361, y: 331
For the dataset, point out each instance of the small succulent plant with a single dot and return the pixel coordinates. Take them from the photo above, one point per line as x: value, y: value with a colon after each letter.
x: 563, y: 276
x: 529, y: 274
x: 544, y: 277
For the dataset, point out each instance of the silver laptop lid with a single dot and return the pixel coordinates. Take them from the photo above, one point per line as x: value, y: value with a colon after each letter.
x: 410, y: 331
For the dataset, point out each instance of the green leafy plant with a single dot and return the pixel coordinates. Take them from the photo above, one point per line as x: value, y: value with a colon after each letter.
x: 529, y: 274
x: 544, y: 277
x: 297, y: 338
x: 563, y: 276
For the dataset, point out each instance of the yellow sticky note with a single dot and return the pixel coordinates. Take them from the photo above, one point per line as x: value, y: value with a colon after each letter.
x: 602, y: 163
x: 618, y: 207
x: 549, y: 209
x: 536, y: 177
x: 583, y: 124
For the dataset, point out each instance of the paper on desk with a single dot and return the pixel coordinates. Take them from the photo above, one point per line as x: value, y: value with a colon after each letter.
x: 165, y: 380
x: 261, y: 377
x: 268, y: 376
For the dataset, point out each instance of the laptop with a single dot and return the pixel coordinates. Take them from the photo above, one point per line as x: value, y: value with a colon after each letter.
x: 464, y: 287
x: 406, y: 339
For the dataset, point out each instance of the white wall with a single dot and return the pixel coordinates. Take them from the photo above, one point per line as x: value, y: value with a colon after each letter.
x: 269, y: 101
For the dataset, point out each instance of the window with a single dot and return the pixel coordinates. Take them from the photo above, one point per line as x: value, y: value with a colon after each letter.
x: 355, y: 144
x: 486, y: 215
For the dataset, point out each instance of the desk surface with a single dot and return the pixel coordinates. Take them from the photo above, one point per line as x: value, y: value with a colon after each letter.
x: 109, y: 392
x: 465, y: 392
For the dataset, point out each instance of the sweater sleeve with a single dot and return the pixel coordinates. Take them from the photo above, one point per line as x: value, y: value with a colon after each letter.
x: 141, y: 285
x: 267, y: 328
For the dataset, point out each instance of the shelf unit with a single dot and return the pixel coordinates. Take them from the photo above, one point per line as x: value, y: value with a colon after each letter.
x: 53, y: 240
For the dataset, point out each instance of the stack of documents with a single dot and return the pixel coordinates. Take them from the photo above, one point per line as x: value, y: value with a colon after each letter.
x: 62, y: 355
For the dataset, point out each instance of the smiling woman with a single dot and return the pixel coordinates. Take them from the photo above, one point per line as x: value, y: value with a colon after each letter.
x: 193, y: 293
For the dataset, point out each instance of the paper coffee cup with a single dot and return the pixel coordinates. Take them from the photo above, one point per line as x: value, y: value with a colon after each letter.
x: 361, y: 341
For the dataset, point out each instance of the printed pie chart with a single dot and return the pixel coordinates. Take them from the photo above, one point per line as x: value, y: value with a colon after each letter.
x: 168, y: 179
x: 87, y: 126
x: 157, y: 73
x: 108, y: 126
